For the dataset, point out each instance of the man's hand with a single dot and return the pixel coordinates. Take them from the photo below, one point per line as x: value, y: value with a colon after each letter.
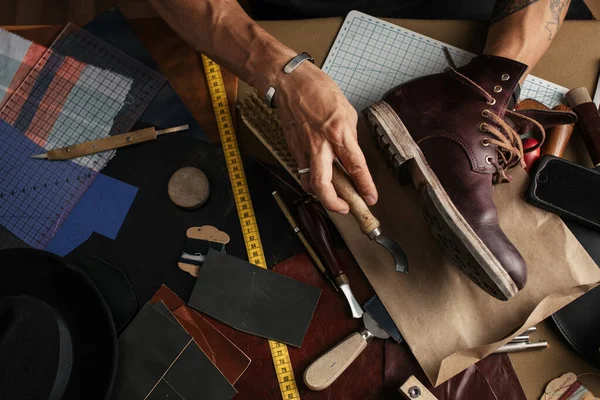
x: 318, y: 121
x: 320, y: 125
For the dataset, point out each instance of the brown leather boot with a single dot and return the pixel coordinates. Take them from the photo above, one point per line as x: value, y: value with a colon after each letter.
x: 456, y: 130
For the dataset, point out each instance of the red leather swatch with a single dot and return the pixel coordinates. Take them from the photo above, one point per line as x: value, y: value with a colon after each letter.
x: 227, y: 357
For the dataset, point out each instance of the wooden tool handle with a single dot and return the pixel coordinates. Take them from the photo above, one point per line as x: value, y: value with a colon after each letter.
x: 588, y: 121
x: 358, y: 208
x: 326, y: 369
x: 107, y: 143
x: 557, y: 137
x: 318, y: 235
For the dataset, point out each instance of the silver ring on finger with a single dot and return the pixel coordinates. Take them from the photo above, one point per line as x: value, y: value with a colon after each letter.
x: 303, y: 171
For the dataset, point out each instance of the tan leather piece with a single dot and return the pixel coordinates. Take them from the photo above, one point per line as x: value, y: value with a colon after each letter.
x: 227, y: 357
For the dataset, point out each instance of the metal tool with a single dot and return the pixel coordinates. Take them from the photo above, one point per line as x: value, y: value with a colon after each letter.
x: 311, y: 252
x: 522, y: 346
x: 314, y: 225
x: 367, y: 222
x: 279, y: 351
x: 521, y: 338
x: 375, y: 308
x: 107, y: 143
x: 327, y: 368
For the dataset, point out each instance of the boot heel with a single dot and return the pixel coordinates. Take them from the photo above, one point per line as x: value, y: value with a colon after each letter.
x: 395, y: 143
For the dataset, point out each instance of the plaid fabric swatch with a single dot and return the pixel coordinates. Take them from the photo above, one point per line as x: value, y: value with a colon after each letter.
x: 81, y: 89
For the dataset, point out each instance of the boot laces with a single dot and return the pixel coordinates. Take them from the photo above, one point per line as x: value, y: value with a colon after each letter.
x: 507, y: 140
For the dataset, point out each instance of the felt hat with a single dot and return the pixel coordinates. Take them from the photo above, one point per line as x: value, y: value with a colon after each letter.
x: 57, y: 337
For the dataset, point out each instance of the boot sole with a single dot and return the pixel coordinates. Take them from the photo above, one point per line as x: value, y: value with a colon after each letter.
x: 453, y: 234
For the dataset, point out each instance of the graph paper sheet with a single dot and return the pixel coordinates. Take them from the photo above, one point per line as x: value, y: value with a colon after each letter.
x: 370, y: 56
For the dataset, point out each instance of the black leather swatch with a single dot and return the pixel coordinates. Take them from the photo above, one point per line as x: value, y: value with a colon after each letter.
x: 253, y: 299
x: 147, y: 349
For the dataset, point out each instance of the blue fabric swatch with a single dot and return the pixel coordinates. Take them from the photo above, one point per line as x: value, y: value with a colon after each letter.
x: 36, y: 195
x: 102, y: 209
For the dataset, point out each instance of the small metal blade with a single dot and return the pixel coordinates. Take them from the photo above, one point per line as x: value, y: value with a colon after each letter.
x: 373, y: 327
x: 40, y: 156
x: 355, y: 307
x: 173, y: 129
x: 399, y: 255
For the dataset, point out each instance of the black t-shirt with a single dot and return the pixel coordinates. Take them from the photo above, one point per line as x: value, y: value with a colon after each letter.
x: 421, y: 9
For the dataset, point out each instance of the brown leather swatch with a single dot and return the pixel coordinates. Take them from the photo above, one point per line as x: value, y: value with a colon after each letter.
x: 227, y: 357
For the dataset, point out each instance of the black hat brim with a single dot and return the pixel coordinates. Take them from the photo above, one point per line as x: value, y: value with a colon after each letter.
x: 72, y: 294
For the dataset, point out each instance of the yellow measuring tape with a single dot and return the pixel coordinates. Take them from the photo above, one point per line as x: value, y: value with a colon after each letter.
x: 279, y: 351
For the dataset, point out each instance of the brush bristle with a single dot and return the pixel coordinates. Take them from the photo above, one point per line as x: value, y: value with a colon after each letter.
x: 264, y: 123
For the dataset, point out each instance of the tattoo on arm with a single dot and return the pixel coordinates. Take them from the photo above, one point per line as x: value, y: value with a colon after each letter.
x: 504, y: 8
x: 556, y: 10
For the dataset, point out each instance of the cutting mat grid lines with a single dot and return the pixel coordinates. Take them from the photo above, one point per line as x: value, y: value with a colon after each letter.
x: 370, y: 56
x: 81, y: 89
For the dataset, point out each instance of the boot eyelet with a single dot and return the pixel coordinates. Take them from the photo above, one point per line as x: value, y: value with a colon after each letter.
x: 482, y: 127
x: 505, y: 77
x: 492, y: 102
x: 485, y: 113
x: 484, y: 142
x: 489, y: 159
x: 497, y: 89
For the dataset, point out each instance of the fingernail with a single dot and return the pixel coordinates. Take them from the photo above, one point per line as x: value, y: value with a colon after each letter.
x: 344, y: 211
x: 370, y: 200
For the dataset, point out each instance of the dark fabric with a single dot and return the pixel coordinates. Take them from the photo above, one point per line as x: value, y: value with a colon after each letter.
x: 422, y: 9
x: 152, y: 236
x: 76, y: 300
x: 111, y: 281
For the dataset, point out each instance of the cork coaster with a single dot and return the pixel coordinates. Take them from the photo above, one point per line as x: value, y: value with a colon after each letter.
x: 189, y: 187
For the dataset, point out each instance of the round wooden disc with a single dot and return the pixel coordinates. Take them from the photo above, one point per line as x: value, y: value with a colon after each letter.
x: 189, y: 187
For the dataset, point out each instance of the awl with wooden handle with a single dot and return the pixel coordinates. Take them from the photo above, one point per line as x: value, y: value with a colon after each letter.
x: 315, y: 228
x: 107, y: 143
x: 369, y: 225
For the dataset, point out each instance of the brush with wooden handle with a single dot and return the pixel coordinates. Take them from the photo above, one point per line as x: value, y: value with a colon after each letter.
x: 264, y: 124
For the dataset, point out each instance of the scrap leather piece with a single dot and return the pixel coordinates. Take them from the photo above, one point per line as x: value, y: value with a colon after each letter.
x: 139, y: 369
x: 253, y: 299
x: 492, y: 378
x: 227, y: 357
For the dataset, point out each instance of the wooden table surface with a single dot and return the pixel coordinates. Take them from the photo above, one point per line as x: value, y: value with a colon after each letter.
x: 571, y: 61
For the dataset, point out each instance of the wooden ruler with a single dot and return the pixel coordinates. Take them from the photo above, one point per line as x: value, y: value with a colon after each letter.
x: 279, y: 351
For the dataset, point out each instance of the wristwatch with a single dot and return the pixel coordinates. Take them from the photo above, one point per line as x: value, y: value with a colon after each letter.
x: 288, y: 69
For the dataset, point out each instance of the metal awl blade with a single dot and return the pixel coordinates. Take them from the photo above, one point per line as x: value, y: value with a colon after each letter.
x: 395, y: 250
x: 40, y: 156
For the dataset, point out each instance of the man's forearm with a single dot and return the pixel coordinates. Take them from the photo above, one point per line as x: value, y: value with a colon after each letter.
x: 523, y: 29
x: 223, y: 31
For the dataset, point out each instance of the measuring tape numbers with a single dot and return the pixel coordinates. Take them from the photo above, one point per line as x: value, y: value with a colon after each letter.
x: 254, y: 248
